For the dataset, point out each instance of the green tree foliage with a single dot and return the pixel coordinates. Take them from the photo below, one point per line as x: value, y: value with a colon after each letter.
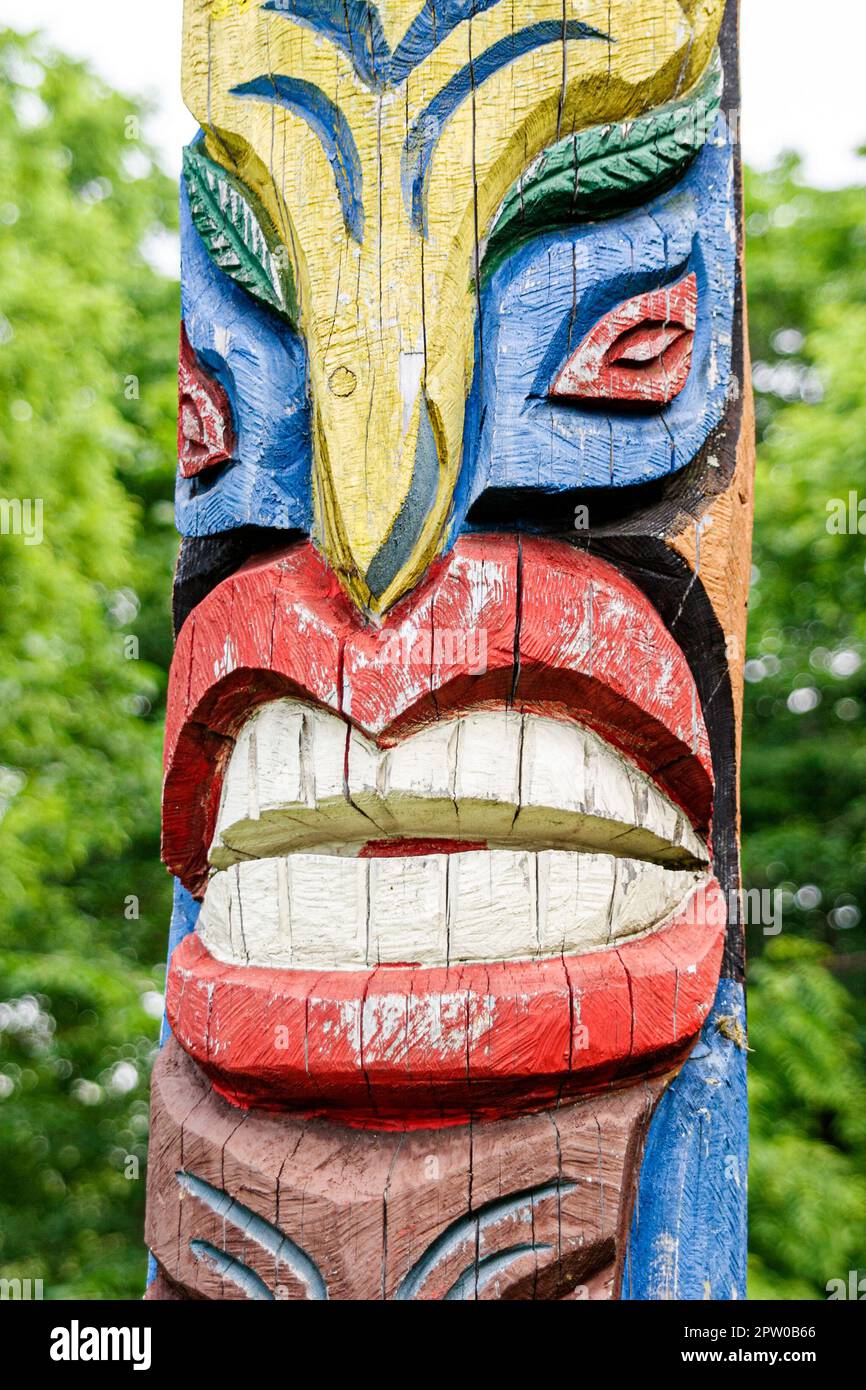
x: 88, y: 339
x: 808, y: 1128
x: 805, y: 764
x: 804, y: 754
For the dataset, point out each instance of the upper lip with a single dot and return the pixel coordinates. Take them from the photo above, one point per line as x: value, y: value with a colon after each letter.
x: 566, y: 636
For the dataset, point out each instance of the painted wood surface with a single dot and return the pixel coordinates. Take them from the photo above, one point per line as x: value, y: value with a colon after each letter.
x: 689, y: 1231
x: 533, y: 1208
x: 559, y: 635
x: 379, y: 177
x: 454, y: 995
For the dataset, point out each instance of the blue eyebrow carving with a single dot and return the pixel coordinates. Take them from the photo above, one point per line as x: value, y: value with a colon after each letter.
x: 428, y: 125
x: 430, y: 28
x: 355, y: 27
x: 324, y: 117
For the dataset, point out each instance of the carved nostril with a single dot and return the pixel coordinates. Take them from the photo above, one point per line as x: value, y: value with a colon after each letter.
x: 342, y: 381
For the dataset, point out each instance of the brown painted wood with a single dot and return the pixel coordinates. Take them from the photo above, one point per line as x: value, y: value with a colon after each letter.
x: 368, y: 1207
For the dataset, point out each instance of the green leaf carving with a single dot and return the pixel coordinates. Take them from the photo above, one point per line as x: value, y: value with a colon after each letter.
x: 238, y: 233
x: 606, y: 169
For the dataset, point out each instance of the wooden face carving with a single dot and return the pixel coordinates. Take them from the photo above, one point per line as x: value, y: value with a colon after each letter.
x: 452, y: 736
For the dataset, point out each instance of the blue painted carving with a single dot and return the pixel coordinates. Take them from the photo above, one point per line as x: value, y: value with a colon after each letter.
x: 416, y: 507
x: 262, y: 365
x: 255, y: 1228
x: 436, y: 21
x: 184, y: 915
x: 326, y: 119
x: 466, y: 1230
x: 542, y: 300
x: 517, y: 1208
x: 428, y: 125
x: 689, y: 1230
x: 355, y: 27
x: 377, y: 66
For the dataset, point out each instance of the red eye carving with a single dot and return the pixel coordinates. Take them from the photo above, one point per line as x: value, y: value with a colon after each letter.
x: 640, y: 351
x: 205, y: 435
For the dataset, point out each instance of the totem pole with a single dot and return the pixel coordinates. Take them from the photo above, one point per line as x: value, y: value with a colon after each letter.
x: 454, y: 995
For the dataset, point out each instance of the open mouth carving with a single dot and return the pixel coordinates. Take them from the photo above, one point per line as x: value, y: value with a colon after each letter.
x: 438, y: 887
x: 491, y: 836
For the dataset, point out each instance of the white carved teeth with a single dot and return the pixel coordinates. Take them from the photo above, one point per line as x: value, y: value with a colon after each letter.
x: 583, y: 850
x: 317, y: 911
x: 299, y: 779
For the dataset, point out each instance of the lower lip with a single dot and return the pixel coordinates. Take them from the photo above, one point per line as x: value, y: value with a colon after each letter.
x: 400, y: 1047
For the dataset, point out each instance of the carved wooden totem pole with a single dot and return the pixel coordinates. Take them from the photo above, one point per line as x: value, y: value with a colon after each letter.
x: 464, y: 487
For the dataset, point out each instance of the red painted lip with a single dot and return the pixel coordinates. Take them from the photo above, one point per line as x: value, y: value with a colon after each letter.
x: 403, y: 1047
x: 564, y: 633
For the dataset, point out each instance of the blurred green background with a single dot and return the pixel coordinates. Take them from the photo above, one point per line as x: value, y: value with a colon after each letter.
x: 88, y: 398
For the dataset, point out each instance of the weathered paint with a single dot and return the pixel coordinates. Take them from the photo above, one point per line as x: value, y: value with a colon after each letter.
x: 382, y: 1216
x: 318, y: 126
x: 689, y: 1234
x: 640, y: 352
x: 554, y: 292
x: 449, y: 270
x: 367, y: 1046
x: 300, y: 780
x: 571, y: 621
x: 258, y: 363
